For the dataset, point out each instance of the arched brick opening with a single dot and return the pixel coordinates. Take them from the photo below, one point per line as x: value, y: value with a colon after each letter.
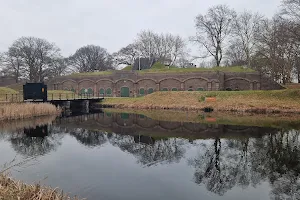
x: 238, y: 83
x: 194, y: 83
x: 169, y: 83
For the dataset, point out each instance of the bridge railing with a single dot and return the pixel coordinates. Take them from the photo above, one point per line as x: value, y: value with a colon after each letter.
x: 67, y: 96
x: 11, y: 97
x: 14, y: 98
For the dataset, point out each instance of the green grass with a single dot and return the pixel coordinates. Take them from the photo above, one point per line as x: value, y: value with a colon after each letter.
x: 188, y: 70
x: 91, y: 74
x: 16, y: 86
x: 5, y: 90
x: 274, y: 101
x: 127, y: 68
x: 159, y: 68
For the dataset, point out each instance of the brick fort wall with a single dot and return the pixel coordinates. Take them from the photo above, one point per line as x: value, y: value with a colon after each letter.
x: 128, y: 83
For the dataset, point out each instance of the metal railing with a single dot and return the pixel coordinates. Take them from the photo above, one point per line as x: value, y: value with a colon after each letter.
x: 52, y: 96
x: 66, y: 96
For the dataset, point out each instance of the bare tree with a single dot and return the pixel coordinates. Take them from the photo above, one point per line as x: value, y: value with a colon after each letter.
x: 246, y: 25
x: 127, y: 54
x: 277, y: 52
x: 212, y: 30
x: 90, y: 58
x: 292, y: 9
x: 58, y: 67
x: 235, y: 54
x: 35, y: 54
x: 12, y: 64
x: 165, y: 48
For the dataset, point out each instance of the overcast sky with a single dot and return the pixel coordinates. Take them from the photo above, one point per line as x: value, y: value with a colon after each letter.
x: 111, y: 24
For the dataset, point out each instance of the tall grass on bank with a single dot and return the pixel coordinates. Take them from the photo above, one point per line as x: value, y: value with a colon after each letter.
x: 13, y: 190
x: 26, y: 110
x: 276, y: 101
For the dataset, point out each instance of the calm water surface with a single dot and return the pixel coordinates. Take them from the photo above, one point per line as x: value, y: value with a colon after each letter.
x: 126, y: 156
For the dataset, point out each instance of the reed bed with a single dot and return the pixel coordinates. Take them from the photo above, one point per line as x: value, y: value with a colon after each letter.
x: 260, y: 102
x: 16, y: 190
x: 26, y: 110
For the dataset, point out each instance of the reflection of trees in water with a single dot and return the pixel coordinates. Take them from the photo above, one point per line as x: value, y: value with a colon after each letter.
x: 36, y: 146
x: 167, y: 151
x: 89, y: 138
x: 162, y: 151
x: 224, y: 164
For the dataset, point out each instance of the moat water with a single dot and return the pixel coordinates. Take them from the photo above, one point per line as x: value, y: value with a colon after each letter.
x: 130, y: 156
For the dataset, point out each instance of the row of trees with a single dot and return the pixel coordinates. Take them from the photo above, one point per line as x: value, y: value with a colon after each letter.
x: 36, y: 59
x: 270, y: 46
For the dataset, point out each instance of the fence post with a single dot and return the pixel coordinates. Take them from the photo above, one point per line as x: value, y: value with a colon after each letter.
x: 52, y: 96
x: 59, y: 96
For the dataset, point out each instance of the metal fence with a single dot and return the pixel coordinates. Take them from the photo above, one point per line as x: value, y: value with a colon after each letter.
x: 51, y: 96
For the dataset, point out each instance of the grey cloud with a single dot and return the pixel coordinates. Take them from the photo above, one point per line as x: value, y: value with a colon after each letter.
x: 110, y: 24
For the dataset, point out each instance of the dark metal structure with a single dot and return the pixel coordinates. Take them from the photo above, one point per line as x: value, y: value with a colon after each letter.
x: 35, y: 92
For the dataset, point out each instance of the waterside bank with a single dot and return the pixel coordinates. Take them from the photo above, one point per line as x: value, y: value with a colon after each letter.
x: 12, y: 111
x: 259, y: 102
x: 11, y: 189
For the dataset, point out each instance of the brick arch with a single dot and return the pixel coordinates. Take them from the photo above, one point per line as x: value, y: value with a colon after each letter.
x: 170, y: 125
x: 146, y: 83
x: 238, y: 78
x: 104, y: 84
x: 195, y: 82
x: 69, y: 83
x: 143, y: 79
x: 124, y: 83
x: 170, y: 83
x: 104, y: 80
x: 169, y: 78
x: 88, y: 80
x: 86, y: 84
x: 238, y: 83
x: 200, y: 77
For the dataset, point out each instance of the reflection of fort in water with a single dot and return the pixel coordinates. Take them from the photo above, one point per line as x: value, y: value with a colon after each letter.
x: 134, y: 124
x: 233, y: 155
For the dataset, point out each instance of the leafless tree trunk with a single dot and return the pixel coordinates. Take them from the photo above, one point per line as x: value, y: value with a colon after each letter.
x: 213, y: 29
x: 245, y: 27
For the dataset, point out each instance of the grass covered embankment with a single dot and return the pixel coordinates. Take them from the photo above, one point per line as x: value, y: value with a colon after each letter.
x: 26, y: 110
x: 276, y: 101
x: 160, y: 68
x: 12, y: 190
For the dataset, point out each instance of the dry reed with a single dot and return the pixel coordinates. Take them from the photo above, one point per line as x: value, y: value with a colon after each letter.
x: 26, y: 110
x: 16, y: 190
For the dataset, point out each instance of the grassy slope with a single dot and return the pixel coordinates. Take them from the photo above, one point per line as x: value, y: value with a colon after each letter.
x: 171, y: 70
x: 283, y: 101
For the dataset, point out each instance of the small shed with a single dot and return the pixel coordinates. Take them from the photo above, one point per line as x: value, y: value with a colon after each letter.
x: 35, y: 92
